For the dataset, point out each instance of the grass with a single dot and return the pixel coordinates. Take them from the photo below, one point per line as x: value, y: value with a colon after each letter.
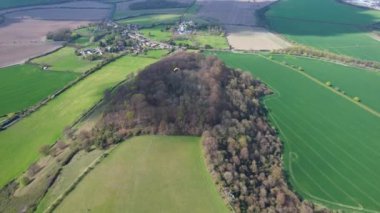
x: 156, y: 54
x: 354, y: 82
x: 66, y: 60
x: 330, y: 142
x: 342, y: 28
x: 148, y: 174
x: 128, y: 13
x: 201, y: 39
x: 19, y: 144
x: 149, y: 20
x: 157, y: 33
x: 68, y: 175
x: 25, y: 85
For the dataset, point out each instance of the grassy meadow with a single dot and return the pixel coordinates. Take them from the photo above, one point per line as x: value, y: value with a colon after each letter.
x: 354, y: 82
x: 342, y: 28
x: 25, y: 85
x: 68, y: 175
x: 65, y: 60
x: 149, y: 20
x: 19, y: 144
x: 157, y: 33
x: 148, y: 174
x: 331, y: 144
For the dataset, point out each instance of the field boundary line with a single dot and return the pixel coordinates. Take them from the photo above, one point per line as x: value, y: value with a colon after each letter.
x: 365, y: 107
x: 77, y: 180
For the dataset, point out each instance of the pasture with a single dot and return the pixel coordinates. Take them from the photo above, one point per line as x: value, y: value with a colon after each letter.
x: 342, y: 29
x: 157, y: 33
x: 354, y: 82
x: 149, y: 20
x: 148, y: 174
x: 331, y: 144
x: 25, y: 85
x: 20, y: 143
x: 68, y: 175
x: 65, y: 60
x: 202, y: 40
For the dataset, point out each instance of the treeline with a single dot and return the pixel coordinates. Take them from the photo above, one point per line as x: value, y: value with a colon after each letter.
x: 157, y: 4
x: 63, y: 34
x: 309, y: 52
x: 190, y: 94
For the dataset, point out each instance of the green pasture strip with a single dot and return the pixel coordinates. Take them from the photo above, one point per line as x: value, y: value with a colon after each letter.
x: 148, y: 174
x: 20, y: 143
x: 354, y: 82
x: 22, y: 86
x: 149, y: 20
x: 66, y: 60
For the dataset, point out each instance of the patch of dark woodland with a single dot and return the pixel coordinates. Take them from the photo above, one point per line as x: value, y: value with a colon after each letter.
x: 190, y: 94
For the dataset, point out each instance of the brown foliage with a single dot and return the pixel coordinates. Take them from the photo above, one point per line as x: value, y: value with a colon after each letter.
x: 190, y: 94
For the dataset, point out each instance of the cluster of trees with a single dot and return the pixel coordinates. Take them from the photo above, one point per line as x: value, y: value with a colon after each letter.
x: 190, y: 94
x: 307, y: 51
x: 63, y: 34
x: 157, y: 4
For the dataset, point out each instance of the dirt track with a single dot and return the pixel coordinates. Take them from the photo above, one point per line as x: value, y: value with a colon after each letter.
x: 22, y: 34
x: 240, y: 22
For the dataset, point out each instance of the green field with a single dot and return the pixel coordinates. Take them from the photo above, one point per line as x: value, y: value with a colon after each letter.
x: 67, y: 176
x: 19, y: 144
x: 66, y: 60
x: 331, y: 144
x: 156, y: 54
x: 355, y: 82
x: 203, y: 39
x: 25, y: 85
x: 157, y: 33
x: 149, y: 20
x: 122, y: 13
x: 342, y: 28
x: 149, y: 174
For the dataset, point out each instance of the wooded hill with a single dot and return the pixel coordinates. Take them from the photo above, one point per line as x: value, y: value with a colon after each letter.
x: 191, y: 94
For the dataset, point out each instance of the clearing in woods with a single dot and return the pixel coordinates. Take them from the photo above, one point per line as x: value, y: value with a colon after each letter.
x: 330, y: 142
x: 149, y: 174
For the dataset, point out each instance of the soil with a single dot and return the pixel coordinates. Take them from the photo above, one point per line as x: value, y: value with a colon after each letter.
x: 23, y: 32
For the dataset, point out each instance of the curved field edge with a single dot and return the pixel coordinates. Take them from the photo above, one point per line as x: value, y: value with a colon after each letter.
x: 149, y: 174
x: 19, y: 145
x: 332, y: 141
